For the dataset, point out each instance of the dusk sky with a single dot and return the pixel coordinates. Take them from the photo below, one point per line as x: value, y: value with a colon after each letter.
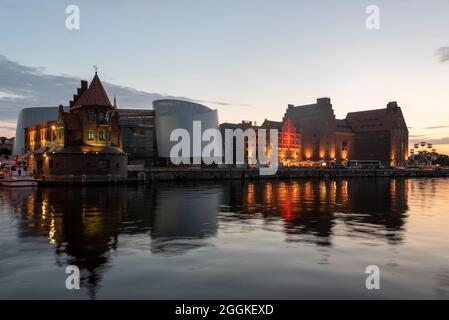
x: 248, y: 59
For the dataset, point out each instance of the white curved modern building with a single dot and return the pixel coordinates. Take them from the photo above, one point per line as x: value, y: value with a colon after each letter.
x: 173, y: 114
x: 29, y: 117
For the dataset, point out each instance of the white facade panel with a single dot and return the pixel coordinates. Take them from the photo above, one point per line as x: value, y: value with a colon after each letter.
x: 178, y: 114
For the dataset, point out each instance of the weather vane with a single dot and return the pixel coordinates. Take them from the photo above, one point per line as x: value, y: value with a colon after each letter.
x: 95, y: 68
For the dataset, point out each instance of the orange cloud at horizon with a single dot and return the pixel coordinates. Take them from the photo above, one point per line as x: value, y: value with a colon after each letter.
x: 7, y: 129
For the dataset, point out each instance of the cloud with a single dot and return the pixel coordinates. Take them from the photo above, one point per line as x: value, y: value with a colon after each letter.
x: 7, y: 128
x: 416, y: 136
x: 438, y: 127
x: 443, y: 54
x: 22, y: 86
x: 435, y: 141
x: 9, y: 95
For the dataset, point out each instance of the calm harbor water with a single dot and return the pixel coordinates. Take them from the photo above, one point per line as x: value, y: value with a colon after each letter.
x: 242, y: 240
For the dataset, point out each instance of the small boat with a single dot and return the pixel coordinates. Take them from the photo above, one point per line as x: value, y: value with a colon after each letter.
x: 16, y: 175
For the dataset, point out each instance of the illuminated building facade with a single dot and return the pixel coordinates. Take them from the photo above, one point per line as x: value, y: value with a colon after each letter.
x: 289, y: 139
x: 82, y: 144
x: 29, y: 117
x: 316, y: 123
x: 379, y: 134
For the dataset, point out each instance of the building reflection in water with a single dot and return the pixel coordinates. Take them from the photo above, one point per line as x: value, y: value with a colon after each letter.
x: 310, y: 209
x: 84, y: 224
x: 184, y: 216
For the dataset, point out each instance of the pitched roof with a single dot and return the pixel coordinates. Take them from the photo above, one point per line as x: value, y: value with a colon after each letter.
x: 376, y: 120
x: 95, y: 95
x: 270, y: 124
x: 341, y: 125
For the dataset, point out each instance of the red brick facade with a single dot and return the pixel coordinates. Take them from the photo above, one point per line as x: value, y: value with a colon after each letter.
x: 83, y: 144
x: 379, y: 134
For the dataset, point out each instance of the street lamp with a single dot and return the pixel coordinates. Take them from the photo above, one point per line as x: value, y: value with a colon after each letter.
x: 53, y: 128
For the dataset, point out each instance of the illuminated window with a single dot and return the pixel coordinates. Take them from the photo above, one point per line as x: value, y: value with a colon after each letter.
x: 90, y: 134
x: 101, y: 135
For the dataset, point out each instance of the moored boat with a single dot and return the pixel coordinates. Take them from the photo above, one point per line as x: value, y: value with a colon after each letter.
x: 17, y: 175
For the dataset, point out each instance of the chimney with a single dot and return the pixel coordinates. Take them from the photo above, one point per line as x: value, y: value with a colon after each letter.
x: 83, y: 85
x: 60, y: 111
x: 392, y: 106
x: 323, y: 101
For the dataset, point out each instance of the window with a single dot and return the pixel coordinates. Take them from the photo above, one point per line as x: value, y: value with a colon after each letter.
x: 90, y: 134
x: 101, y: 116
x: 101, y: 135
x: 91, y: 116
x: 104, y: 164
x: 344, y: 145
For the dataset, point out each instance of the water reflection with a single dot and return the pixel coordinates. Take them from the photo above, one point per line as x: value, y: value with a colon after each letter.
x: 310, y: 209
x: 84, y: 225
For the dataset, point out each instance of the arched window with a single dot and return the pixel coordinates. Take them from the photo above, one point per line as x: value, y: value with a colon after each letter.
x: 101, y: 135
x: 90, y: 134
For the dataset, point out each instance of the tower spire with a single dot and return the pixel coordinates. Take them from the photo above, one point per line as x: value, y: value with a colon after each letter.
x: 115, y: 102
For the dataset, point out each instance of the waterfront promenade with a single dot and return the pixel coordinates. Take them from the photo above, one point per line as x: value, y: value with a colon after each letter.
x: 198, y: 174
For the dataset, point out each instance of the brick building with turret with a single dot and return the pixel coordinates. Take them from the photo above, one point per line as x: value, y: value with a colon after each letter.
x: 82, y: 144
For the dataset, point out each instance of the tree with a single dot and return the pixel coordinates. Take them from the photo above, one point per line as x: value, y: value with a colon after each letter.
x: 442, y: 160
x: 4, y: 151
